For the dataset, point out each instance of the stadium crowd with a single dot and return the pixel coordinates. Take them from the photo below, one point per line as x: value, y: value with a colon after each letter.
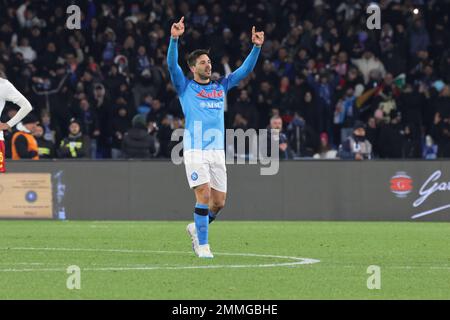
x: 322, y: 77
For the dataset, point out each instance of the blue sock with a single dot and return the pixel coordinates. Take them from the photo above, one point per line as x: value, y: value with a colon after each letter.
x: 201, y: 220
x: 212, y: 216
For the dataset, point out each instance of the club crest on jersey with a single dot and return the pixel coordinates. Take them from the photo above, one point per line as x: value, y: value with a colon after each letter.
x: 212, y: 94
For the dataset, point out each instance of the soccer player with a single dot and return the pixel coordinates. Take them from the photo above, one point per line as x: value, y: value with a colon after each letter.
x: 9, y: 93
x: 202, y: 101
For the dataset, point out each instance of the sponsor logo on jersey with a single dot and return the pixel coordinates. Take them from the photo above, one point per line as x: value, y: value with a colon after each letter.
x: 211, y: 94
x: 211, y: 105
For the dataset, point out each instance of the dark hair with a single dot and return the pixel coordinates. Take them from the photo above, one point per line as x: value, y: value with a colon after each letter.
x: 192, y: 57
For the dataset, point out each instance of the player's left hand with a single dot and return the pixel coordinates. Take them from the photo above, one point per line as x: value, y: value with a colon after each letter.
x: 257, y: 37
x: 4, y: 126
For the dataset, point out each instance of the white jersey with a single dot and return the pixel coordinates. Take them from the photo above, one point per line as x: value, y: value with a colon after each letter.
x: 9, y: 93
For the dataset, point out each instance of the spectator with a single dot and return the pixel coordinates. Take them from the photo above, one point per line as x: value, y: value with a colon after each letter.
x: 441, y: 134
x: 156, y: 113
x: 75, y: 145
x: 46, y: 148
x: 264, y: 101
x: 410, y: 104
x: 275, y: 134
x: 113, y: 80
x: 325, y: 149
x: 24, y: 145
x: 121, y: 47
x: 241, y: 123
x: 27, y: 52
x: 430, y: 149
x: 303, y: 140
x: 367, y: 64
x: 246, y: 109
x: 104, y: 111
x: 345, y: 115
x: 267, y: 73
x: 419, y: 38
x: 411, y: 148
x: 324, y: 86
x: 391, y: 137
x: 356, y: 147
x: 285, y: 97
x: 120, y: 125
x: 283, y: 65
x: 309, y: 111
x: 372, y: 133
x: 164, y: 135
x: 137, y: 142
x: 49, y: 133
x: 90, y: 125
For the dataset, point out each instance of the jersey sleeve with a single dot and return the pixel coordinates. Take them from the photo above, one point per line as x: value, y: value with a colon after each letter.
x: 11, y: 94
x: 243, y: 71
x: 176, y: 74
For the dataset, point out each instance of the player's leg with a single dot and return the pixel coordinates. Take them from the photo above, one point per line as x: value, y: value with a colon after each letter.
x: 197, y: 172
x: 216, y: 203
x: 202, y: 196
x: 2, y: 157
x: 218, y: 194
x: 201, y: 220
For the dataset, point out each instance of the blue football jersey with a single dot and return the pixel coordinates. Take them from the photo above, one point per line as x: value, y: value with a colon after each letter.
x: 203, y: 104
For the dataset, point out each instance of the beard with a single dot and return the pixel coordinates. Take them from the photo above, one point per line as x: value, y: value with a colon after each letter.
x: 205, y: 76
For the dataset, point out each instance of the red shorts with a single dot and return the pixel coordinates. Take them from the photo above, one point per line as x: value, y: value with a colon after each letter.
x: 2, y: 156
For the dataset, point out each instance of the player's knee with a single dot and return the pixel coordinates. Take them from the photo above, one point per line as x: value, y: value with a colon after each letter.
x: 203, y: 194
x: 218, y: 204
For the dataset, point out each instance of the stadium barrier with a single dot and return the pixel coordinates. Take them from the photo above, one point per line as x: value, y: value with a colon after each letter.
x: 302, y: 190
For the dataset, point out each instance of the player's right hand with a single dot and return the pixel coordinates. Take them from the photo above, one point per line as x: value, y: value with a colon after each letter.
x: 4, y: 126
x: 177, y: 28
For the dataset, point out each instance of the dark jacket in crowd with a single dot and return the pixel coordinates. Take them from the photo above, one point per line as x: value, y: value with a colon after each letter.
x: 441, y: 135
x: 138, y: 143
x: 120, y: 125
x: 46, y: 148
x: 390, y: 141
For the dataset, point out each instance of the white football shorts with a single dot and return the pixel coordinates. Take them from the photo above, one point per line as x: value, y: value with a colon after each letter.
x: 206, y: 166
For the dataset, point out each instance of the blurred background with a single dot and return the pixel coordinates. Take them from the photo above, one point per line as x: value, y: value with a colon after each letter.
x: 322, y: 74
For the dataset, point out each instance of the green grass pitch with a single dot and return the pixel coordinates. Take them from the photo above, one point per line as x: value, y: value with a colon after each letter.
x: 153, y: 260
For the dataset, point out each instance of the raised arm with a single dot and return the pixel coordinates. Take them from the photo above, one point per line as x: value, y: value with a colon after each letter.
x: 176, y: 74
x: 249, y: 63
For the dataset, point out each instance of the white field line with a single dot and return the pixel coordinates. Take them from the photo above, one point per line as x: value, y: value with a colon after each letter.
x: 335, y: 266
x: 296, y: 260
x: 129, y: 267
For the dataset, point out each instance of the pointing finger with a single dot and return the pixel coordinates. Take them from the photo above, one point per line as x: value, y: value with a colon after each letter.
x: 253, y: 30
x: 182, y: 19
